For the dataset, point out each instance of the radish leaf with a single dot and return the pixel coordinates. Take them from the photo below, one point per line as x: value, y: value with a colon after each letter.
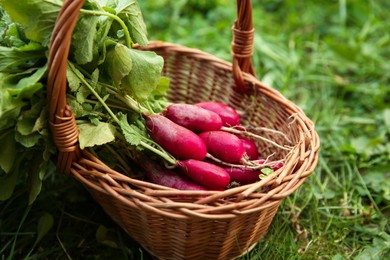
x: 18, y: 58
x: 131, y: 133
x: 84, y: 39
x: 36, y: 173
x: 145, y: 74
x: 91, y: 135
x: 8, y: 151
x: 118, y: 63
x: 130, y: 12
x: 36, y: 16
x: 8, y: 181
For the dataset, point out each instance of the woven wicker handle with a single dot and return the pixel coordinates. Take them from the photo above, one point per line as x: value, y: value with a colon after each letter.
x: 242, y: 44
x: 62, y: 122
x: 61, y: 119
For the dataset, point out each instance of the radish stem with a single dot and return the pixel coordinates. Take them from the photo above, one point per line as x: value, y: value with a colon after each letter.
x: 247, y: 164
x: 160, y: 153
x: 270, y: 130
x: 249, y: 134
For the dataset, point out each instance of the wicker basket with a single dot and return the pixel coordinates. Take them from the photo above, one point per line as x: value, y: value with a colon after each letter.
x: 173, y: 224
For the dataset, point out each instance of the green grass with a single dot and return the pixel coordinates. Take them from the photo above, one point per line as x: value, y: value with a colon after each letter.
x: 329, y: 57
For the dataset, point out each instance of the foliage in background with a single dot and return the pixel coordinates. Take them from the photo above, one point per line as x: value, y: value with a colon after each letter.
x: 330, y: 58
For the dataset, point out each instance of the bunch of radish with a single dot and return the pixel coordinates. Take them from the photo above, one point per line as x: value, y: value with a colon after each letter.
x: 209, y: 145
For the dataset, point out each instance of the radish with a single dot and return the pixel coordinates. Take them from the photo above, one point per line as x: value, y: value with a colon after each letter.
x: 250, y: 146
x: 228, y: 114
x: 206, y: 174
x: 225, y: 146
x: 243, y: 175
x: 277, y: 166
x: 193, y: 117
x: 165, y: 177
x: 177, y: 140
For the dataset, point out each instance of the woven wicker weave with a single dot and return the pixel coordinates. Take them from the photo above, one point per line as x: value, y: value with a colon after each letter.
x: 173, y: 224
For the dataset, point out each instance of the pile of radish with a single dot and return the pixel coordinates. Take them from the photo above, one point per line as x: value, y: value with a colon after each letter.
x: 211, y: 149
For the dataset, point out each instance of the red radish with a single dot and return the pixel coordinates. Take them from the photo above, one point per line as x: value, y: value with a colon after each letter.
x: 228, y: 114
x: 250, y: 148
x: 162, y: 176
x: 277, y: 166
x: 243, y: 175
x: 223, y: 145
x: 177, y: 140
x: 206, y: 174
x: 193, y: 117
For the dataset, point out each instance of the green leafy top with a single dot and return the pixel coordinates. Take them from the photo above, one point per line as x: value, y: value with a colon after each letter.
x: 36, y: 16
x: 106, y: 77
